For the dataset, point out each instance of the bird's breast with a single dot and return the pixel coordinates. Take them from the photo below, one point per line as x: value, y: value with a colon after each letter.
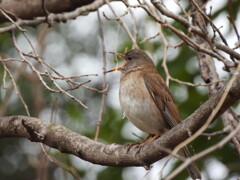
x: 138, y: 105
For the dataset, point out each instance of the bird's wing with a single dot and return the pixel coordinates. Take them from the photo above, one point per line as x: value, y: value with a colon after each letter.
x: 162, y: 97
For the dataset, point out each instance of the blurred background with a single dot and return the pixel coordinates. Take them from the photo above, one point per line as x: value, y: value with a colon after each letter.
x: 74, y: 48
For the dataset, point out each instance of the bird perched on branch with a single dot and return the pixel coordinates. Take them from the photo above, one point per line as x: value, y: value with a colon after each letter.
x: 146, y: 100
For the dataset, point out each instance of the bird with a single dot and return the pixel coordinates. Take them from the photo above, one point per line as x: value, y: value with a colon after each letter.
x: 146, y: 100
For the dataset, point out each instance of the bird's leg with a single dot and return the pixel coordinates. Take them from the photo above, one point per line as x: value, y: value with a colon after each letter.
x: 150, y: 138
x: 147, y: 138
x: 129, y: 146
x: 139, y: 145
x: 155, y: 136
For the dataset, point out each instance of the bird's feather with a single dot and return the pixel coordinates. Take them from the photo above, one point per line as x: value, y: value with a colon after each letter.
x: 162, y: 97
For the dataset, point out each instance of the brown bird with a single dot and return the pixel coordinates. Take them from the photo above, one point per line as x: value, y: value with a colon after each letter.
x: 146, y: 100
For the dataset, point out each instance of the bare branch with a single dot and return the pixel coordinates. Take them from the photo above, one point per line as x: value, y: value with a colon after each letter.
x: 71, y: 170
x: 203, y: 153
x: 55, y: 17
x: 209, y: 73
x: 213, y: 114
x: 16, y: 89
x: 123, y: 24
x: 104, y: 84
x: 195, y: 30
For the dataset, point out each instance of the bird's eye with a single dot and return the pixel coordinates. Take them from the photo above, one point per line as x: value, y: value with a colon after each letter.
x: 129, y: 58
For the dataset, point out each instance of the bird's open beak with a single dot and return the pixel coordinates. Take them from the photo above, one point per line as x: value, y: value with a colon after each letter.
x: 120, y: 67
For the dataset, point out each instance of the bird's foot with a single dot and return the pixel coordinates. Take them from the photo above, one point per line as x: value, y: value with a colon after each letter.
x: 129, y: 146
x: 138, y: 146
x: 154, y: 137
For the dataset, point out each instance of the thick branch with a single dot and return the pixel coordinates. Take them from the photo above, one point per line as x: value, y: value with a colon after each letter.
x: 66, y: 141
x: 29, y: 9
x: 82, y: 10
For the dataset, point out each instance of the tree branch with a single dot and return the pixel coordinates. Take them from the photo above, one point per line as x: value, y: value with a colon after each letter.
x: 184, y: 22
x: 67, y: 141
x: 53, y: 16
x: 208, y: 69
x: 29, y: 9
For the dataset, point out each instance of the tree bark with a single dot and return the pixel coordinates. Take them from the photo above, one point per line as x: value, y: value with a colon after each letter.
x: 29, y: 9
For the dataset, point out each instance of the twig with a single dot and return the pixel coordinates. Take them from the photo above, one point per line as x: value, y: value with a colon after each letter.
x: 231, y: 20
x: 116, y: 40
x: 164, y: 61
x: 69, y: 77
x: 11, y: 59
x: 193, y: 29
x: 4, y: 80
x: 46, y: 12
x: 216, y: 133
x: 11, y: 20
x: 149, y: 38
x: 191, y: 84
x: 134, y: 26
x: 16, y: 89
x: 10, y: 89
x: 40, y: 77
x: 104, y: 84
x: 71, y: 170
x: 186, y: 38
x: 177, y: 45
x: 117, y: 18
x: 124, y: 25
x: 62, y: 76
x: 164, y: 166
x: 209, y: 20
x: 203, y: 153
x: 182, y: 9
x: 213, y: 114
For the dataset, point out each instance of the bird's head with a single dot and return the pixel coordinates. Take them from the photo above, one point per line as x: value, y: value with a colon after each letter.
x: 133, y: 60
